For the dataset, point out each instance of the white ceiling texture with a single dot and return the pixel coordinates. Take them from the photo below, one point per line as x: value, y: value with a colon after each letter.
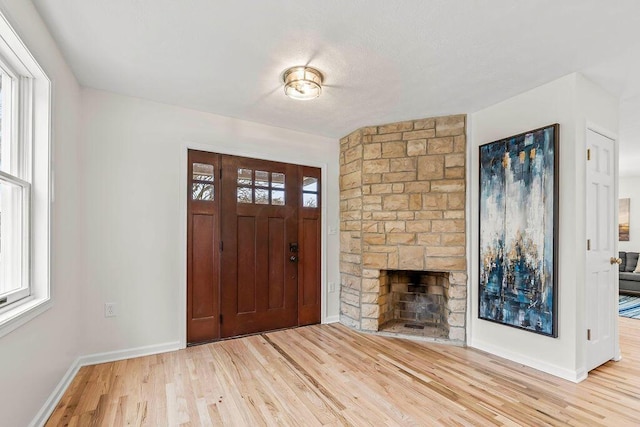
x: 383, y: 60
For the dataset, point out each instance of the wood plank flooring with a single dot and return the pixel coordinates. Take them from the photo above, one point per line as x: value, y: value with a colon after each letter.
x: 330, y: 375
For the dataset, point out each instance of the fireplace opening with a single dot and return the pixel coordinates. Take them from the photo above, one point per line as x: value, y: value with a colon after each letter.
x: 416, y: 303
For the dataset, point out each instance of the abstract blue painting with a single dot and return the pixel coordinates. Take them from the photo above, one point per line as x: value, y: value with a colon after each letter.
x: 518, y: 231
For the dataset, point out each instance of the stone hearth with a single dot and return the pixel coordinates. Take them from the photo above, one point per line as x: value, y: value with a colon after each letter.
x: 402, y: 211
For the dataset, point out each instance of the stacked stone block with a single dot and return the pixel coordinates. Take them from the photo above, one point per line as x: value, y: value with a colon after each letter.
x: 402, y: 207
x: 351, y: 155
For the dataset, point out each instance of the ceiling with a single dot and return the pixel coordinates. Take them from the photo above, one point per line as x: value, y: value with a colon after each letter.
x: 383, y: 60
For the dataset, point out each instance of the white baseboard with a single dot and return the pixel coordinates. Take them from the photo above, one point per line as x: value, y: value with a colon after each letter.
x: 112, y: 356
x: 581, y: 375
x: 47, y: 409
x: 558, y: 371
x: 331, y: 319
x: 92, y: 359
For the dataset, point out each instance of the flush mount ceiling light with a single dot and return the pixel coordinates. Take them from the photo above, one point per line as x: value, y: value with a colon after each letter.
x: 302, y: 83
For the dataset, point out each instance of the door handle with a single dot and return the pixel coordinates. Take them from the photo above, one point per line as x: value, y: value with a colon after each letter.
x: 293, y: 258
x: 615, y: 260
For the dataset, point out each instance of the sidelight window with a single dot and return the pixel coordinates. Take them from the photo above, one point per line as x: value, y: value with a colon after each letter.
x: 309, y: 192
x: 202, y: 187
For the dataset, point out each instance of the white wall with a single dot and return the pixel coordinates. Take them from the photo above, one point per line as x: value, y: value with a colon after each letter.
x: 630, y: 188
x: 34, y: 357
x: 134, y: 162
x: 571, y: 101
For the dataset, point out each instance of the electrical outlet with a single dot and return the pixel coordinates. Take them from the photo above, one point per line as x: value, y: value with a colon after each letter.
x: 332, y: 286
x: 110, y: 309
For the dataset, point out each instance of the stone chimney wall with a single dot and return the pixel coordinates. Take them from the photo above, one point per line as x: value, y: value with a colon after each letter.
x: 402, y: 207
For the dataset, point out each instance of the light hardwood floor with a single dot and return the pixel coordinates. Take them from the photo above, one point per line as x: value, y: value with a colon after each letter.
x: 330, y: 375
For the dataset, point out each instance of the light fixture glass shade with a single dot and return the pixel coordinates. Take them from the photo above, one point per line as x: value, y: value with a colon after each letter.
x: 302, y: 83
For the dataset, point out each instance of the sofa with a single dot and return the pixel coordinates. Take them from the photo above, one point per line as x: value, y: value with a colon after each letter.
x: 629, y: 281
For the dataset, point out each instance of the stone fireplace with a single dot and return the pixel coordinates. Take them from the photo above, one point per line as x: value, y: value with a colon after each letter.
x: 402, y: 228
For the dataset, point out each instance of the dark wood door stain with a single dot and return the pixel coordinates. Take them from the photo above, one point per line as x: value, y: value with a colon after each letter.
x: 254, y: 246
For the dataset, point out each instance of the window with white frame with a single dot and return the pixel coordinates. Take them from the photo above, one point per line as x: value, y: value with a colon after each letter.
x: 24, y: 182
x: 15, y: 186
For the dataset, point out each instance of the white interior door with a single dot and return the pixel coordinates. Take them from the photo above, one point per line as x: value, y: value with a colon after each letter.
x: 601, y: 239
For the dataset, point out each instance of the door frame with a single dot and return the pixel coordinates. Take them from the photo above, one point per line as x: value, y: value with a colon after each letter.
x: 590, y: 126
x: 181, y: 301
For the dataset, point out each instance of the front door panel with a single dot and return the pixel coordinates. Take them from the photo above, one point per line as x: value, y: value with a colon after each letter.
x: 259, y: 222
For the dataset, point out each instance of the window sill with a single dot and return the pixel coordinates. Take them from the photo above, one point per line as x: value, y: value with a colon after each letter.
x: 15, y: 317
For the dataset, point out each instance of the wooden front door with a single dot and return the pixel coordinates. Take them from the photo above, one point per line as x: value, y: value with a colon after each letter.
x: 260, y: 246
x: 262, y: 254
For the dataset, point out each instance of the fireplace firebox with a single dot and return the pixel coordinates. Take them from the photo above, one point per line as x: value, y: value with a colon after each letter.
x: 418, y: 302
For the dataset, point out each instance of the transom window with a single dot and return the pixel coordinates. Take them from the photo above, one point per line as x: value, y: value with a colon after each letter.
x: 260, y: 187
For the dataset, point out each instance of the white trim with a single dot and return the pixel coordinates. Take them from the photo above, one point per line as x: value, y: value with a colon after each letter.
x: 469, y: 223
x: 602, y: 131
x: 182, y: 226
x: 112, y: 356
x: 22, y: 312
x: 92, y: 359
x: 558, y: 371
x: 182, y: 233
x: 581, y: 375
x: 324, y: 237
x: 331, y: 319
x: 50, y: 405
